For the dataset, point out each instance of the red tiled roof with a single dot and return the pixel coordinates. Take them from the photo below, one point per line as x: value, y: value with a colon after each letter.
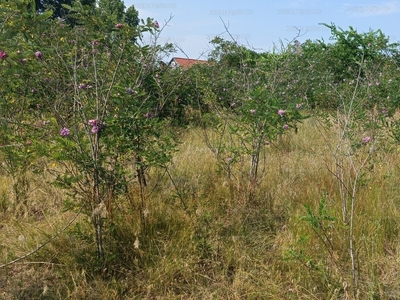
x: 187, y: 62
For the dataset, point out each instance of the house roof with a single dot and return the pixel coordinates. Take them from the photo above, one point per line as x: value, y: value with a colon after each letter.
x: 186, y: 62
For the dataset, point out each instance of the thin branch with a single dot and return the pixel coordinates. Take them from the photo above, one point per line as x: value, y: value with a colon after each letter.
x: 45, y: 243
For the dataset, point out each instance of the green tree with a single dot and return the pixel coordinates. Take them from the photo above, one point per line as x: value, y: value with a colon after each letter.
x: 351, y: 47
x: 132, y: 16
x: 57, y: 6
x: 113, y: 10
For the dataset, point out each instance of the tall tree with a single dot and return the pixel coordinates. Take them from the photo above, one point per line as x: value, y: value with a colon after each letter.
x: 114, y: 10
x: 132, y: 16
x: 56, y: 6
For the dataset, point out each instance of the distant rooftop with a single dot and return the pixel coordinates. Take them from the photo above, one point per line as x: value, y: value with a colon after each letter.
x: 185, y: 63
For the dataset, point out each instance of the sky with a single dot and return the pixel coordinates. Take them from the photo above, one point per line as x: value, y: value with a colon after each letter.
x: 263, y: 24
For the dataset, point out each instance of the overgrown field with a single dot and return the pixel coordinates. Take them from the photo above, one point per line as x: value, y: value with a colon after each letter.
x: 202, y: 238
x: 252, y: 175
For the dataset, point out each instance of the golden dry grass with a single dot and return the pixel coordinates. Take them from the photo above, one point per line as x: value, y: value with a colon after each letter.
x: 203, y: 239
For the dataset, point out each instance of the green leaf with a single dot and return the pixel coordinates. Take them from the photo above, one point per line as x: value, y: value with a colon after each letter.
x: 44, y: 16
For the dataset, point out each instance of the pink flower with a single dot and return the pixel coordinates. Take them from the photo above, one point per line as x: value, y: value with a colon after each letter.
x: 28, y: 143
x: 281, y: 112
x: 95, y: 129
x: 93, y: 122
x: 38, y: 54
x: 377, y: 83
x: 64, y: 132
x: 286, y: 127
x: 252, y: 111
x: 156, y: 25
x: 119, y: 26
x: 24, y: 60
x: 95, y: 43
x: 3, y: 55
x: 366, y: 139
x: 299, y: 105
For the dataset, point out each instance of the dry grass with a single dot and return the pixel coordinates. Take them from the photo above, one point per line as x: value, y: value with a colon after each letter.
x: 203, y: 239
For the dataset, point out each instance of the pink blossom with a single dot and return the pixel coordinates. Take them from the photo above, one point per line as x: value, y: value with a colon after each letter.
x: 38, y: 54
x: 252, y: 111
x: 366, y: 139
x: 3, y: 55
x: 281, y: 112
x: 156, y: 25
x: 64, y: 132
x: 93, y: 122
x: 119, y: 26
x: 286, y: 127
x: 95, y: 129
